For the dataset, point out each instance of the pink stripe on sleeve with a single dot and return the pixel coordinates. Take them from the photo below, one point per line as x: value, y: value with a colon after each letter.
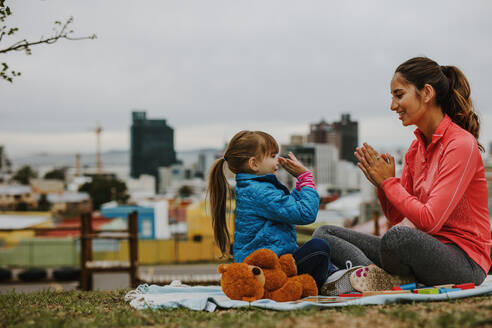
x: 305, y: 180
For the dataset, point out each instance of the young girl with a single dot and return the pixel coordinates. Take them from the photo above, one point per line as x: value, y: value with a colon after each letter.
x: 266, y: 212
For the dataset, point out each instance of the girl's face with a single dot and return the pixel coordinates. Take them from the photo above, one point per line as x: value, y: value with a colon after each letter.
x: 406, y: 102
x: 267, y: 165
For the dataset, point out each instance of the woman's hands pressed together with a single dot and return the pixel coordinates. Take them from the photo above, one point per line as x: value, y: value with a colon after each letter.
x: 376, y: 167
x: 292, y: 165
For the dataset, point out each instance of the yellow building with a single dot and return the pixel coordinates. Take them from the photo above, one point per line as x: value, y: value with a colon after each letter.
x: 15, y: 220
x: 199, y: 221
x: 198, y: 246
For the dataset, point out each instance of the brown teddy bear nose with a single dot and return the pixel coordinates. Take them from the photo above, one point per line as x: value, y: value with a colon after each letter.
x: 256, y: 271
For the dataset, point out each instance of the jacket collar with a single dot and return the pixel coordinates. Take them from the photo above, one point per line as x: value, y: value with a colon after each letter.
x: 272, y: 178
x: 438, y: 134
x: 249, y: 176
x: 245, y: 176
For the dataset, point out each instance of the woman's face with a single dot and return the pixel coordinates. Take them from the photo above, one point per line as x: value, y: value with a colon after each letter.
x: 406, y: 102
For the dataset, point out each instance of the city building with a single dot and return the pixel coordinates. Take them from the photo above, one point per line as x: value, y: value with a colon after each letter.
x: 169, y: 175
x: 323, y: 132
x: 320, y: 158
x: 17, y: 197
x: 206, y: 157
x: 141, y: 188
x: 343, y: 134
x: 69, y: 203
x: 348, y: 176
x: 153, y: 219
x: 22, y: 222
x: 298, y: 139
x: 152, y: 146
x: 47, y: 186
x: 199, y: 221
x: 5, y: 164
x: 175, y: 177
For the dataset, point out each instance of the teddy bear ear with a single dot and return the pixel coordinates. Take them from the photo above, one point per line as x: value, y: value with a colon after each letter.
x: 222, y: 268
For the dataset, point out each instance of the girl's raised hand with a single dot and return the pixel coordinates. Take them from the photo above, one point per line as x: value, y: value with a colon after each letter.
x: 292, y: 165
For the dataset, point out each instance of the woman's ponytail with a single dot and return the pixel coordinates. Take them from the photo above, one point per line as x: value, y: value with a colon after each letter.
x: 451, y: 87
x: 459, y: 106
x: 218, y: 190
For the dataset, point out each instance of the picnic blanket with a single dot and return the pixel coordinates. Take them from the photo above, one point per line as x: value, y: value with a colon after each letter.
x: 210, y: 298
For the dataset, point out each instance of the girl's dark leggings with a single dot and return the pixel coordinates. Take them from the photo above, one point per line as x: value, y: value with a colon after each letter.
x: 313, y: 258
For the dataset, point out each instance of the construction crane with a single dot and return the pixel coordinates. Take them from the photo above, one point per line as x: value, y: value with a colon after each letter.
x: 98, y: 131
x: 77, y: 164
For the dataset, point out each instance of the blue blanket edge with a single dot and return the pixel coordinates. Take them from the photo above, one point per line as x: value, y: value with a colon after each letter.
x: 211, y: 292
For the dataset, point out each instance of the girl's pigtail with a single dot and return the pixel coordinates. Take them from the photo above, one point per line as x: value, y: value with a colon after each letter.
x: 218, y: 189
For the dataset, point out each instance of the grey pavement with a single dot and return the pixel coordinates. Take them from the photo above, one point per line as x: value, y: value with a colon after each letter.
x: 111, y: 281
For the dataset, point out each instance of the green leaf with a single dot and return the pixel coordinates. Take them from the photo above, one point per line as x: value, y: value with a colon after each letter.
x: 13, y: 30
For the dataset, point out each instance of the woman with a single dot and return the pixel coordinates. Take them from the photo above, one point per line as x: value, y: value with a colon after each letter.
x: 442, y: 190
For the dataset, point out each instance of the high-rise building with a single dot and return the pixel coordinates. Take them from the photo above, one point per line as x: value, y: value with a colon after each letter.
x: 320, y: 159
x: 152, y: 146
x: 323, y: 133
x: 343, y: 134
x: 5, y: 164
x: 349, y: 135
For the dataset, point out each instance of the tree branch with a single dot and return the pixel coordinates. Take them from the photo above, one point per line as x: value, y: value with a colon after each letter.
x: 25, y: 45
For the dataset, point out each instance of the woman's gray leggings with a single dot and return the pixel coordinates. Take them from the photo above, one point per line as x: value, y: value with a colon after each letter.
x: 403, y: 251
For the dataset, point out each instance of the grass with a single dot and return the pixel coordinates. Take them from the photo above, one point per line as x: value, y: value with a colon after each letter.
x: 108, y: 309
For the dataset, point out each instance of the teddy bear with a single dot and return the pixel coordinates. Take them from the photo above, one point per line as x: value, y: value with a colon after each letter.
x: 264, y: 275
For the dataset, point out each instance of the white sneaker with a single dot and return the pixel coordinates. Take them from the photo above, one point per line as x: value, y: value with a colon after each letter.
x: 373, y: 277
x: 339, y: 282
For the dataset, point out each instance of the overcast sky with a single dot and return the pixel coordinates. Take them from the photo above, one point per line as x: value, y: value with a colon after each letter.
x: 212, y: 68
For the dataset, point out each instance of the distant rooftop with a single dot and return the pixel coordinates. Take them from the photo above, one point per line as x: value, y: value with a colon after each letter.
x: 20, y: 221
x: 140, y: 118
x: 68, y: 197
x: 46, y: 185
x: 15, y: 189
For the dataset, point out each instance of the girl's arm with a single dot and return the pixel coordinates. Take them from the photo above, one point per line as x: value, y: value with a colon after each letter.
x: 300, y: 207
x: 305, y: 180
x: 457, y: 169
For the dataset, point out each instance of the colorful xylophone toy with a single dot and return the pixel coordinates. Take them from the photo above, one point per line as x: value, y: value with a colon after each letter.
x: 415, y: 288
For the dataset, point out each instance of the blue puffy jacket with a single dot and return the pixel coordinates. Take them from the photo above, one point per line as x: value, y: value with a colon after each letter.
x: 266, y: 214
